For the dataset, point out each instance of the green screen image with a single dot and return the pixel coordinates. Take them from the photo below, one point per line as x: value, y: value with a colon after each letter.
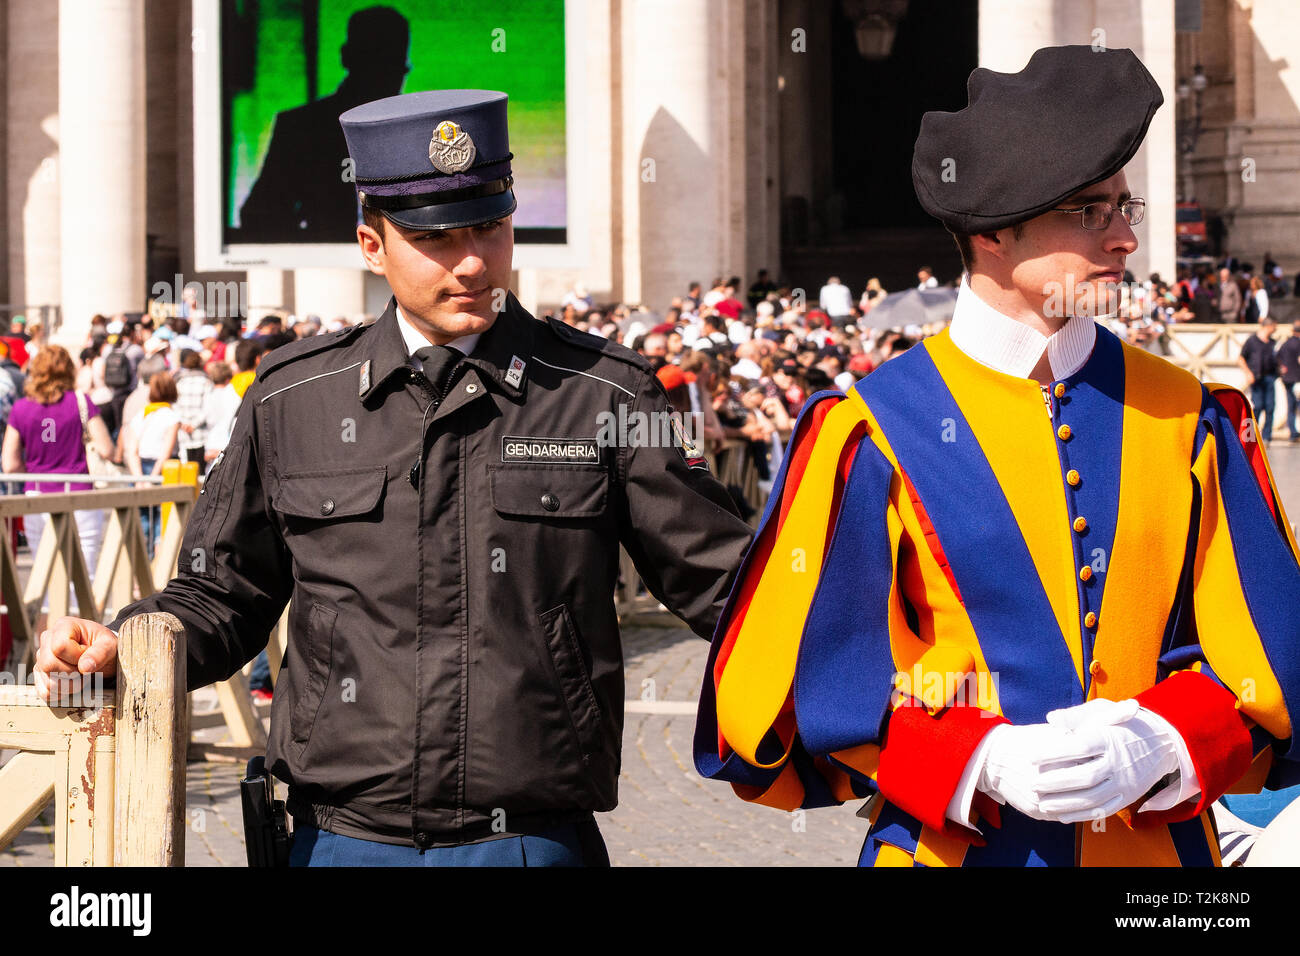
x: 289, y: 68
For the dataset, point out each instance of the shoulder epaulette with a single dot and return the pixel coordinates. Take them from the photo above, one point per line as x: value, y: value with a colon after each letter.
x: 594, y: 343
x: 304, y: 347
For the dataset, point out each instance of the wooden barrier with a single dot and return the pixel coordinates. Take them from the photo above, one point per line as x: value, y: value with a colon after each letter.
x: 123, y: 570
x: 111, y: 761
x: 1210, y: 351
x: 124, y: 573
x: 152, y: 738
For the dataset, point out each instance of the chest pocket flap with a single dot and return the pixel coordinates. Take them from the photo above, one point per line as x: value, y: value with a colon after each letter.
x: 335, y: 494
x: 549, y: 491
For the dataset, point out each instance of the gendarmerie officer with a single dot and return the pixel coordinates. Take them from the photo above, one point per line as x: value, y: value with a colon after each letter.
x: 447, y: 525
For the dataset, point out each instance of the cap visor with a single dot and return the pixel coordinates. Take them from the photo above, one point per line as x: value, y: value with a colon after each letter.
x: 456, y: 215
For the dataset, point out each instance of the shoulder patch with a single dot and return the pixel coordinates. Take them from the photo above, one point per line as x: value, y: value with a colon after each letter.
x: 594, y: 343
x: 286, y: 354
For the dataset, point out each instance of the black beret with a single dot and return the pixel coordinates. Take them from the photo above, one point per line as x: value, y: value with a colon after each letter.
x: 1026, y: 141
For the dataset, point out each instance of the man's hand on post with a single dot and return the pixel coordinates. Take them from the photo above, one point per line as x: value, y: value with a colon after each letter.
x: 69, y: 649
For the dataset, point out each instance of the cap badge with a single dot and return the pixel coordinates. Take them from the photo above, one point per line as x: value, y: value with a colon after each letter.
x: 451, y: 150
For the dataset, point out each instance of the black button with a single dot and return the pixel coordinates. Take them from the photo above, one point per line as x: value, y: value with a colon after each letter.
x: 423, y: 839
x: 550, y: 502
x: 327, y: 506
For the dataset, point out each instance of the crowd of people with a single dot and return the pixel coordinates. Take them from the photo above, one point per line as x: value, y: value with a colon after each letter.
x: 139, y: 392
x: 742, y: 360
x: 739, y: 361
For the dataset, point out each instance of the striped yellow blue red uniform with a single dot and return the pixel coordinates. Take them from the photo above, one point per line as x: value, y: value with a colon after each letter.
x: 939, y: 555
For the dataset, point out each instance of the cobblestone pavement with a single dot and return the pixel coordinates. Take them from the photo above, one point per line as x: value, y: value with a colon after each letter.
x: 667, y: 814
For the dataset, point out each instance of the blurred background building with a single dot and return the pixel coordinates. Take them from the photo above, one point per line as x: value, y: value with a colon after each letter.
x: 721, y: 137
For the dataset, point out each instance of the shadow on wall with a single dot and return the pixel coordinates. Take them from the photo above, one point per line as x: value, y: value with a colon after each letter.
x: 674, y: 173
x: 1245, y: 169
x: 33, y: 160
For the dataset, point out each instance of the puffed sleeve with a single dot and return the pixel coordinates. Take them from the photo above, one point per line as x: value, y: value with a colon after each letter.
x: 234, y: 574
x: 1231, y: 687
x: 803, y: 704
x: 677, y: 522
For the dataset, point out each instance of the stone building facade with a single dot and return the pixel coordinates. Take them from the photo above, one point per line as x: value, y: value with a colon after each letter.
x: 726, y: 102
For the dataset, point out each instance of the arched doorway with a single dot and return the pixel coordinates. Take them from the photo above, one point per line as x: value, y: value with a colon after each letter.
x: 848, y: 125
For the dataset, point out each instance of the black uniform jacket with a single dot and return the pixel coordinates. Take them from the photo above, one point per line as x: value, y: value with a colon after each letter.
x: 454, y: 656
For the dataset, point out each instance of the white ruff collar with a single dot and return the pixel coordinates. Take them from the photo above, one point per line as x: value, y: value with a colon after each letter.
x: 1013, y: 348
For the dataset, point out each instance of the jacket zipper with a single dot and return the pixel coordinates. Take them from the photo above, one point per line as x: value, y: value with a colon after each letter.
x: 436, y: 399
x: 414, y: 477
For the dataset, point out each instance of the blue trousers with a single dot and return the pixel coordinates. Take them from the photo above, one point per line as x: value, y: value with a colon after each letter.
x: 151, y: 516
x: 260, y: 678
x: 570, y: 844
x: 1261, y: 398
x: 1290, y: 388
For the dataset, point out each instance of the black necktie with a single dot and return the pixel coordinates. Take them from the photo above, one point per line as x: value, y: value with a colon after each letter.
x: 438, y: 361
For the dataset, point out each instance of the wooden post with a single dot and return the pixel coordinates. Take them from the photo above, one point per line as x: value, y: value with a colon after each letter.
x: 152, y: 735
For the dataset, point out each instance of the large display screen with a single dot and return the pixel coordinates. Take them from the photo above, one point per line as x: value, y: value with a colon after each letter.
x: 281, y: 187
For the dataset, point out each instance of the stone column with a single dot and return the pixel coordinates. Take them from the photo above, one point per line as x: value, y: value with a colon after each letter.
x: 671, y: 149
x: 101, y: 159
x: 1266, y: 168
x: 804, y: 151
x: 32, y: 154
x: 526, y: 283
x: 761, y: 201
x: 265, y: 293
x: 1148, y: 30
x: 329, y: 292
x: 1011, y: 30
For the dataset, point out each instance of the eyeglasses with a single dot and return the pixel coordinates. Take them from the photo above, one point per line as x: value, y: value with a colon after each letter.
x: 1097, y: 215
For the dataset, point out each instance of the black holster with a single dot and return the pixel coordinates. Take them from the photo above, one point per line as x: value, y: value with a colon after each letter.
x: 266, y: 825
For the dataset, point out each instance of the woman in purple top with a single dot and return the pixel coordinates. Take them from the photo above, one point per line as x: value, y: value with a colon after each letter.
x: 44, y: 436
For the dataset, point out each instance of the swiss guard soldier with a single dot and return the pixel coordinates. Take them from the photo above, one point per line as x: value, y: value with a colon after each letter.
x: 1028, y: 587
x: 442, y: 495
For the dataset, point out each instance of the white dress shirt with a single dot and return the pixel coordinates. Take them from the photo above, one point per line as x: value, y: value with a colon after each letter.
x: 836, y: 299
x: 415, y: 339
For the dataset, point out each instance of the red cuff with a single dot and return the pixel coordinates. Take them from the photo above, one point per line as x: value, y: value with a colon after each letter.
x: 924, y: 757
x: 1205, y: 714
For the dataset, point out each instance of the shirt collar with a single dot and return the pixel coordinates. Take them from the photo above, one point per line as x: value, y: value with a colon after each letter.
x: 1013, y: 348
x: 414, y: 339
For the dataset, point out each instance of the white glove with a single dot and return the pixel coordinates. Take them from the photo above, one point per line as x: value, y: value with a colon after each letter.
x: 1016, y: 758
x: 1135, y: 753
